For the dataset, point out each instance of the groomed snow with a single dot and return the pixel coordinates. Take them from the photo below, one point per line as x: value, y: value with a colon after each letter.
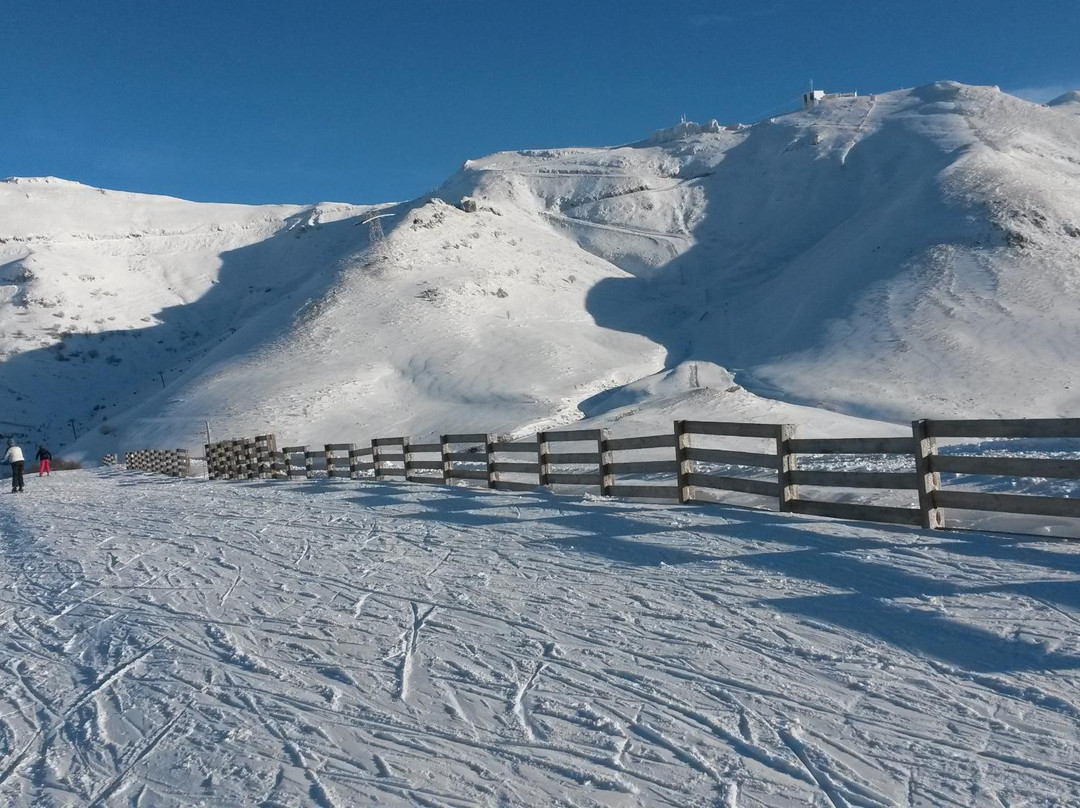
x: 185, y: 642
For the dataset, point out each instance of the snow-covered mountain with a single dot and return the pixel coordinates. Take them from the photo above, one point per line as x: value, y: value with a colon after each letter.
x: 1067, y: 102
x: 911, y: 253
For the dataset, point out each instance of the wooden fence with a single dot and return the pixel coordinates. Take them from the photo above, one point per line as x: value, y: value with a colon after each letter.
x: 174, y: 462
x: 782, y: 471
x: 243, y: 458
x: 828, y: 479
x: 934, y: 498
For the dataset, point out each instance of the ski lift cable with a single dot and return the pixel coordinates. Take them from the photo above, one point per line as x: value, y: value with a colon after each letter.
x: 373, y: 218
x: 786, y: 105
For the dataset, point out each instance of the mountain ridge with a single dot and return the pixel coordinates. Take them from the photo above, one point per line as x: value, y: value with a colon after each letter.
x: 885, y: 256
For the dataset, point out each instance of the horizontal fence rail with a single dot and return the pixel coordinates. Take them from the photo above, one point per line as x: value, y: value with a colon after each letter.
x: 424, y: 463
x: 388, y: 457
x: 691, y: 459
x: 934, y: 497
x: 854, y: 447
x: 580, y: 468
x: 509, y: 470
x: 686, y: 465
x: 618, y: 465
x: 467, y: 457
x: 338, y: 458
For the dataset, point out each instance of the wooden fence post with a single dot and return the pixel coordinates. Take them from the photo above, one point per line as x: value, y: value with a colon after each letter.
x: 271, y: 451
x: 405, y: 457
x: 682, y: 443
x: 929, y: 481
x: 607, y: 477
x: 785, y: 465
x: 279, y: 469
x: 251, y: 455
x: 375, y: 459
x: 489, y: 456
x: 444, y: 449
x: 544, y: 469
x: 262, y: 455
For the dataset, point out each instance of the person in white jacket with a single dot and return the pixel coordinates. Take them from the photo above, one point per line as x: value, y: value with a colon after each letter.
x: 14, y: 456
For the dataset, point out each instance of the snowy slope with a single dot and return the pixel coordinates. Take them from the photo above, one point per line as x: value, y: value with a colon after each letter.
x: 181, y: 642
x: 1067, y: 102
x: 100, y: 292
x: 906, y: 254
x: 463, y: 321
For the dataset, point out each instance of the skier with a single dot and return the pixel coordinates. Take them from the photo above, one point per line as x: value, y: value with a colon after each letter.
x: 14, y: 456
x: 44, y: 458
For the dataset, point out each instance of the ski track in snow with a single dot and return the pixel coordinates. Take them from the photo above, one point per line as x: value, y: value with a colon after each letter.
x: 168, y: 642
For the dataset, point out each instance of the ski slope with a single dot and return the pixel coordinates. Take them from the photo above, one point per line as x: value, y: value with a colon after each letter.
x: 329, y: 643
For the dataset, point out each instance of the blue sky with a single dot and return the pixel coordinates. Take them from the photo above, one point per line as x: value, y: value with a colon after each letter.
x: 352, y: 100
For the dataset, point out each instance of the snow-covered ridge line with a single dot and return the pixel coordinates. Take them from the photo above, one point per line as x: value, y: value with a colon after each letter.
x: 46, y: 181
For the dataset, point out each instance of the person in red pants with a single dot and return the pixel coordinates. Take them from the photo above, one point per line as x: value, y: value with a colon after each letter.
x: 44, y: 458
